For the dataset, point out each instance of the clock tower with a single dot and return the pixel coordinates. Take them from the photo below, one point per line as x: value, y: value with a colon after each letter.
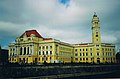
x: 96, y: 38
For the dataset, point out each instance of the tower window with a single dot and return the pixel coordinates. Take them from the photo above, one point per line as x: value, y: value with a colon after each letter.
x: 96, y: 35
x: 96, y: 32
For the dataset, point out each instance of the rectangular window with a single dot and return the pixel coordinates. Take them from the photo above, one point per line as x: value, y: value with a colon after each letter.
x: 86, y: 50
x: 76, y: 54
x: 83, y: 54
x: 46, y: 47
x: 75, y: 50
x: 86, y: 58
x: 103, y: 58
x: 50, y: 47
x: 86, y: 54
x: 50, y: 52
x: 83, y: 49
x: 80, y: 54
x: 43, y: 47
x: 50, y: 58
x: 80, y: 58
x: 46, y: 52
x: 97, y: 53
x: 80, y: 49
x: 91, y: 54
x: 39, y: 52
x: 91, y: 49
x: 83, y: 58
x: 102, y: 49
x: 43, y: 52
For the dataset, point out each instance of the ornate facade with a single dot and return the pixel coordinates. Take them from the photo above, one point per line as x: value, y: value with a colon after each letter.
x: 31, y: 47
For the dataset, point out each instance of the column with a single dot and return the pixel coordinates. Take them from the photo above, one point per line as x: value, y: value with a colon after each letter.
x: 22, y: 50
x: 29, y: 50
x: 32, y: 49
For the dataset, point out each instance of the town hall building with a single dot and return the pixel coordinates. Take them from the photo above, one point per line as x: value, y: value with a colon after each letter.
x: 31, y: 47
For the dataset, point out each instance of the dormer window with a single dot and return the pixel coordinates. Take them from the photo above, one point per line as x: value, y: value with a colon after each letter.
x: 28, y: 38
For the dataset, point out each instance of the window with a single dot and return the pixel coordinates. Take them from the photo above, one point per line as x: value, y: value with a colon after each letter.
x: 96, y: 35
x: 106, y: 54
x: 80, y: 54
x: 103, y: 58
x: 50, y: 52
x: 83, y: 54
x: 46, y: 52
x: 80, y: 49
x: 83, y: 58
x: 91, y: 59
x: 50, y: 47
x: 97, y: 49
x: 80, y: 58
x: 83, y: 49
x: 42, y: 59
x: 91, y: 49
x: 97, y: 53
x: 46, y: 47
x: 43, y: 52
x: 43, y: 47
x: 86, y: 58
x: 96, y: 32
x: 86, y: 54
x: 86, y: 49
x: 39, y: 52
x: 76, y: 54
x: 28, y: 38
x: 103, y: 53
x: 75, y: 49
x: 110, y: 49
x: 91, y: 54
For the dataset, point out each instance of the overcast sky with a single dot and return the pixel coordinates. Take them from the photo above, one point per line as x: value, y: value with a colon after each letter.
x: 65, y: 20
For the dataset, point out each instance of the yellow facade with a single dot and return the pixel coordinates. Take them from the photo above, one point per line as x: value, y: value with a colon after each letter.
x: 31, y: 47
x: 95, y: 52
x: 34, y: 49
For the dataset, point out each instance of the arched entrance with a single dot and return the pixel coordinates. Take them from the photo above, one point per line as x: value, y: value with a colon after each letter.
x: 98, y: 60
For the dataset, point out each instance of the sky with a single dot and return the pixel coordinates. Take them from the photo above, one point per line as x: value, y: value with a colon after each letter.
x: 65, y: 20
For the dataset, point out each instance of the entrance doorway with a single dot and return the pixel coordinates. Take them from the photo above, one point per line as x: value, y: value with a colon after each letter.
x: 98, y: 60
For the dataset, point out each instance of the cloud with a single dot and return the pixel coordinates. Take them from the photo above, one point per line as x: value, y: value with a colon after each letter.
x: 66, y: 20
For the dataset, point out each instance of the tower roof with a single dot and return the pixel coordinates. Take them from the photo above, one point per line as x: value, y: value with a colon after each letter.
x: 94, y: 14
x: 29, y: 32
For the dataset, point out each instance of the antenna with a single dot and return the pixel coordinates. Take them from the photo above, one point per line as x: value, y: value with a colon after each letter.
x: 94, y: 13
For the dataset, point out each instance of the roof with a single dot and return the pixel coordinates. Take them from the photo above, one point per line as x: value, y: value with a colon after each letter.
x: 47, y: 38
x: 29, y: 32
